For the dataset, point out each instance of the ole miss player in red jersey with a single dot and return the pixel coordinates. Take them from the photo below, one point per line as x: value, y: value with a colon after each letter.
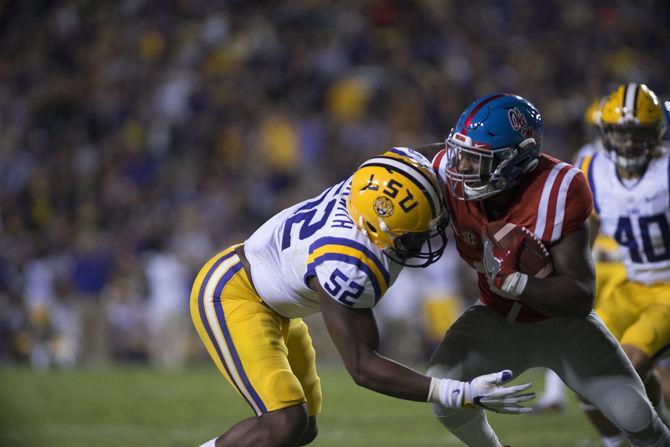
x: 493, y: 170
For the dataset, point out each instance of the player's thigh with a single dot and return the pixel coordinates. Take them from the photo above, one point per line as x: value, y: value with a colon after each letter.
x: 650, y: 333
x: 608, y: 275
x: 595, y: 367
x: 618, y: 310
x: 244, y: 337
x: 588, y: 350
x: 302, y: 358
x: 477, y: 343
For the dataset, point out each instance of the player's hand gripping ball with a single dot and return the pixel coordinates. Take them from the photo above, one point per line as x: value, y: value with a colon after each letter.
x: 510, y: 251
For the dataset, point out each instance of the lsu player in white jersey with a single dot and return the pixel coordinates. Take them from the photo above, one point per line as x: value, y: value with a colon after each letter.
x: 630, y: 183
x: 336, y: 254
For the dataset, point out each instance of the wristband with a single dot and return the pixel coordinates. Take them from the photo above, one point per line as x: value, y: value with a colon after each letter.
x: 447, y: 392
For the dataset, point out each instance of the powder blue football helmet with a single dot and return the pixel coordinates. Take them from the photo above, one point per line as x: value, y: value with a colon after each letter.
x: 497, y: 139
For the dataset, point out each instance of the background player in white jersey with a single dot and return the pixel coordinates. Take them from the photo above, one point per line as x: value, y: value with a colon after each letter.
x: 337, y: 253
x: 608, y: 264
x: 495, y: 172
x: 605, y: 250
x: 610, y: 271
x: 630, y: 182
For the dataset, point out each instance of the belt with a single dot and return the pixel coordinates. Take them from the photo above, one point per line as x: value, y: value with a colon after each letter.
x: 513, y: 313
x: 239, y: 250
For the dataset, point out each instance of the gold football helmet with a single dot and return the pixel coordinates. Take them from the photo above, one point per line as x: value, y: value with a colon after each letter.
x: 396, y: 200
x: 633, y: 124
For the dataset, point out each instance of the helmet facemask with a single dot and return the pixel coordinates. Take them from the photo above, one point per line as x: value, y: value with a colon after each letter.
x: 632, y: 123
x: 631, y: 146
x: 420, y: 249
x: 475, y: 172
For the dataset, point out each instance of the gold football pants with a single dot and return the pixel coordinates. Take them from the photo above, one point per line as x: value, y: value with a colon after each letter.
x: 268, y: 359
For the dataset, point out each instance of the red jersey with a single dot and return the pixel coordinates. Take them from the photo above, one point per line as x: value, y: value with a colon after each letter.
x: 552, y: 201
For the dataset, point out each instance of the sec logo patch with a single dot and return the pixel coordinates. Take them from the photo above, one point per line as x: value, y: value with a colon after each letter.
x: 469, y: 238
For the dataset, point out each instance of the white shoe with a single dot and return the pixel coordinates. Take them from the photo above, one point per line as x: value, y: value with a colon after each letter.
x: 549, y: 406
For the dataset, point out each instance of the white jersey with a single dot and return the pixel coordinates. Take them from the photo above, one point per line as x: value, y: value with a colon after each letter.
x: 317, y: 237
x: 636, y: 214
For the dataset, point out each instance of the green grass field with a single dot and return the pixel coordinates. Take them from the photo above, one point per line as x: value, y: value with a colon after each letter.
x: 142, y: 407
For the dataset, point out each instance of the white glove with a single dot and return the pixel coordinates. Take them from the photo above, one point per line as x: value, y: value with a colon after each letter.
x: 512, y: 286
x: 482, y: 391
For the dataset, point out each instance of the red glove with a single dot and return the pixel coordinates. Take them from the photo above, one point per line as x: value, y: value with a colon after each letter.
x: 500, y: 264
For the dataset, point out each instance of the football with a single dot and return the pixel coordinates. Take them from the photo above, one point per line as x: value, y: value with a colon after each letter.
x: 534, y: 258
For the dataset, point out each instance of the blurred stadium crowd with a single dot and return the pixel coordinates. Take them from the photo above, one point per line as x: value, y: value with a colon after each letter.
x: 138, y: 137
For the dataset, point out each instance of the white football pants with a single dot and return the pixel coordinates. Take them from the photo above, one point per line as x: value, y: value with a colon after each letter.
x: 582, y: 352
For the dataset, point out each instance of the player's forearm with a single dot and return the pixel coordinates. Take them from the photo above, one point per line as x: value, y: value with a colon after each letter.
x: 559, y: 296
x: 385, y: 376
